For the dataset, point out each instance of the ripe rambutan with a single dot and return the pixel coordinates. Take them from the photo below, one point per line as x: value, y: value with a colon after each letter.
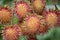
x: 38, y: 5
x: 22, y: 9
x: 32, y: 23
x: 23, y: 28
x: 58, y: 11
x: 51, y: 17
x: 5, y: 15
x: 11, y: 33
x: 43, y: 27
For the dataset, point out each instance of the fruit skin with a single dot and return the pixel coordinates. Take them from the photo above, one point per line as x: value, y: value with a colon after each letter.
x: 22, y: 9
x: 51, y: 17
x: 43, y: 29
x: 5, y: 15
x: 11, y: 32
x: 23, y: 28
x: 32, y: 23
x: 38, y: 5
x: 58, y: 11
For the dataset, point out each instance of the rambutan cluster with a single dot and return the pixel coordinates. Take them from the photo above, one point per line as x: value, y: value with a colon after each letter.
x: 31, y: 22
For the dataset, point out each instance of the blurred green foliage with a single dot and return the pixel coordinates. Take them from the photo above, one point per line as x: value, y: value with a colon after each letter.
x: 23, y: 37
x: 15, y: 20
x: 53, y: 34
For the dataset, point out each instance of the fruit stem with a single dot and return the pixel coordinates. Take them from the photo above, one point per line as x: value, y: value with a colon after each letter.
x: 56, y: 7
x: 44, y: 6
x: 54, y: 3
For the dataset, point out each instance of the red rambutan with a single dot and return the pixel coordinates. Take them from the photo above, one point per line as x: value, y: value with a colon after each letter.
x: 58, y: 11
x: 38, y: 5
x: 5, y: 15
x: 51, y: 17
x: 43, y: 27
x: 23, y: 28
x: 11, y: 33
x: 22, y: 9
x: 32, y: 23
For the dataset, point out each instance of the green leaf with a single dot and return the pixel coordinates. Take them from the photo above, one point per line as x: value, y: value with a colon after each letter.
x: 1, y: 38
x: 53, y: 34
x: 15, y: 20
x: 6, y: 1
x: 22, y: 37
x: 1, y: 28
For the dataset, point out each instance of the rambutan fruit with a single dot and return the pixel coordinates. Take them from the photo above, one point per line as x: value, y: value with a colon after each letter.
x: 58, y: 11
x: 43, y: 27
x: 32, y: 23
x: 51, y: 17
x: 23, y: 28
x: 5, y: 15
x: 38, y: 5
x: 22, y: 9
x: 11, y: 33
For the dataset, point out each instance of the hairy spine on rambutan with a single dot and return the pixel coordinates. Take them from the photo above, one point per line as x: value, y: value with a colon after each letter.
x: 43, y: 27
x: 32, y: 23
x: 51, y: 17
x: 22, y: 9
x: 23, y: 28
x: 5, y: 15
x: 58, y: 23
x: 38, y: 5
x: 11, y: 33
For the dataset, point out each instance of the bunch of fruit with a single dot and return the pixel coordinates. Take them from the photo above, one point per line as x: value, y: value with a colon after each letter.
x: 33, y: 19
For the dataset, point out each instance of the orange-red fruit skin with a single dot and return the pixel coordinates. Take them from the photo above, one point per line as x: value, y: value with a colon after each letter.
x: 38, y: 5
x: 11, y: 33
x: 32, y: 23
x: 22, y: 9
x: 51, y: 17
x: 23, y: 28
x: 5, y: 15
x: 57, y: 11
x: 43, y: 29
